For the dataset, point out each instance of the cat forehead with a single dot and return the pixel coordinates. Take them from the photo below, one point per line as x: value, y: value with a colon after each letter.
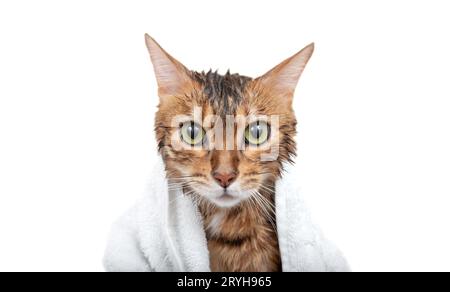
x: 224, y: 92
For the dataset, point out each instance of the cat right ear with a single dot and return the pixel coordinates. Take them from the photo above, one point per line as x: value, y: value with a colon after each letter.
x: 283, y: 79
x: 172, y: 76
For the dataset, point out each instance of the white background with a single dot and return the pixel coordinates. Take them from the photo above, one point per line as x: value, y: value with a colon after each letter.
x: 77, y: 98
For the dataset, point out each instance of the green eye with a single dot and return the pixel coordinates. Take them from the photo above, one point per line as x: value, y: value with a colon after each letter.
x: 257, y: 133
x: 192, y: 134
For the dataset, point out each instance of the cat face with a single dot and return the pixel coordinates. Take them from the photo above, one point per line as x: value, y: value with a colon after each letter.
x: 224, y: 138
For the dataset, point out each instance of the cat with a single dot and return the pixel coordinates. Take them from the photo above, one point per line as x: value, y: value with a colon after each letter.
x: 233, y: 186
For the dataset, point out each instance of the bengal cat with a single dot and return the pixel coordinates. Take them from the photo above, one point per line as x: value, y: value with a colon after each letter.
x: 224, y: 139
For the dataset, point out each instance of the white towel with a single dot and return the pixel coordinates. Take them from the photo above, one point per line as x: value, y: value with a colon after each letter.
x: 164, y: 232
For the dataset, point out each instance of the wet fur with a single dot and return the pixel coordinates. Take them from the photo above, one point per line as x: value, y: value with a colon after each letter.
x: 244, y: 237
x: 244, y: 240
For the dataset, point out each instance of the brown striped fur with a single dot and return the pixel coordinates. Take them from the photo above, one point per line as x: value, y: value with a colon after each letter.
x: 245, y: 240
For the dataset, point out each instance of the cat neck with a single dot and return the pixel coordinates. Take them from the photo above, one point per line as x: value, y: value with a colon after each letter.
x: 242, y: 238
x: 242, y: 221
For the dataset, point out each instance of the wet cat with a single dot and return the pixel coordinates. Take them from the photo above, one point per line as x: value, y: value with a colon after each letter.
x: 224, y: 140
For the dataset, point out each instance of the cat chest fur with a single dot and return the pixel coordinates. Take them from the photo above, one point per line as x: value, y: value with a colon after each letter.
x: 241, y: 239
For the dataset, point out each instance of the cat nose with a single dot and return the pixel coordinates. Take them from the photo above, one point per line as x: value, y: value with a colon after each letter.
x: 225, y: 179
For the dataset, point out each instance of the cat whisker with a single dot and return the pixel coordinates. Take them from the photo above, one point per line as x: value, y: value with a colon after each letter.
x: 174, y: 187
x: 268, y: 202
x: 268, y: 188
x: 271, y: 204
x: 188, y: 176
x: 264, y: 210
x: 183, y: 180
x: 257, y: 198
x: 267, y: 208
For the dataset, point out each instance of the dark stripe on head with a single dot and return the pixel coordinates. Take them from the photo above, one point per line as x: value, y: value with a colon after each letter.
x: 223, y: 91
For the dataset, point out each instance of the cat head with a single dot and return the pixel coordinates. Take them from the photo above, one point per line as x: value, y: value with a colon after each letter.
x: 224, y: 138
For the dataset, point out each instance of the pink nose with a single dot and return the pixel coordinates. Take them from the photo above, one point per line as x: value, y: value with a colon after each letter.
x: 225, y: 179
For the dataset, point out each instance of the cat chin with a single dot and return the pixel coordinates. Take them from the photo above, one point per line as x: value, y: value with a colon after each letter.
x: 225, y: 201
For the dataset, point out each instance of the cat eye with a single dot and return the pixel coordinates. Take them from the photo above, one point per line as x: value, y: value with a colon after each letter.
x: 192, y: 133
x: 257, y: 133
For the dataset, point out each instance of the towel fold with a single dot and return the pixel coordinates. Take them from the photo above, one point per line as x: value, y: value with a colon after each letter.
x: 164, y: 232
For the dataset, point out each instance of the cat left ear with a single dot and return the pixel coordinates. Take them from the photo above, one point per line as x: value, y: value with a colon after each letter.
x: 172, y: 76
x: 282, y: 80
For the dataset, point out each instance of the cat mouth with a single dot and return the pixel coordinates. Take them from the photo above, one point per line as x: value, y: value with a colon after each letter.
x: 226, y: 200
x: 226, y: 197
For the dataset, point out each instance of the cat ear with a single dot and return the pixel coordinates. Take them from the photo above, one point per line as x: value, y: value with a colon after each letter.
x: 282, y: 79
x: 172, y: 76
